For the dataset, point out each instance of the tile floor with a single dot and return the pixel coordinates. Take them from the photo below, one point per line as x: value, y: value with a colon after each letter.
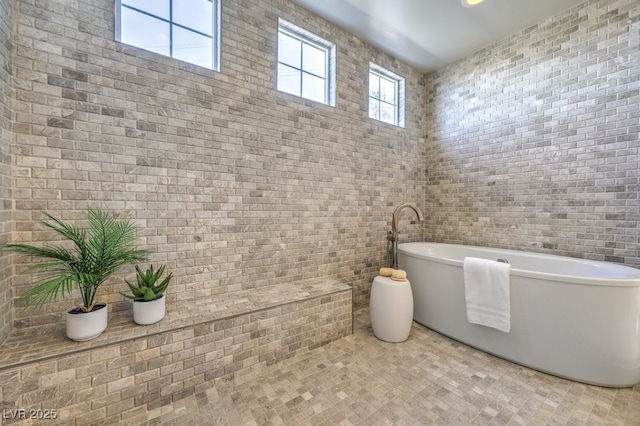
x: 429, y: 379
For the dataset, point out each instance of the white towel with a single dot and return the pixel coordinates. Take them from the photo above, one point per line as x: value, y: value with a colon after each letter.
x: 486, y: 285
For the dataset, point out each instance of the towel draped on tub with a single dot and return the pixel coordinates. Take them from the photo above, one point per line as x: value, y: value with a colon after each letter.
x: 487, y: 292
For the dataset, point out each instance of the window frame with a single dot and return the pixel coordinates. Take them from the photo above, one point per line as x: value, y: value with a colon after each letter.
x: 215, y: 31
x: 399, y: 92
x: 310, y: 39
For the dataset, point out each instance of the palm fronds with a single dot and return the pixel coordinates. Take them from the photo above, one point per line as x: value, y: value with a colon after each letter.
x: 96, y: 255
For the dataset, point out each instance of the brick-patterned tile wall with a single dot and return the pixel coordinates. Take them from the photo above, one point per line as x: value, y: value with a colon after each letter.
x: 533, y: 142
x: 6, y: 184
x: 120, y: 383
x: 234, y: 184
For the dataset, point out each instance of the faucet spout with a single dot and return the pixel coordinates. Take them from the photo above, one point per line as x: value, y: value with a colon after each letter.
x: 396, y: 212
x: 393, y: 234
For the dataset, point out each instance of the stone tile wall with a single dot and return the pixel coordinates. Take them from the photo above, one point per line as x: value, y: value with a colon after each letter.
x: 120, y: 383
x: 234, y: 184
x: 533, y: 142
x: 6, y: 184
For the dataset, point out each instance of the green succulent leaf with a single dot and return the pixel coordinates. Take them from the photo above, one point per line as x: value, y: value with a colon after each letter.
x: 149, y: 294
x: 146, y: 289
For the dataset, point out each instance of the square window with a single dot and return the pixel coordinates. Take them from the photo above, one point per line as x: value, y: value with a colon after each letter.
x: 374, y: 108
x: 374, y: 86
x: 145, y: 31
x: 154, y: 8
x: 192, y: 47
x: 387, y: 113
x: 289, y: 49
x: 386, y: 96
x: 196, y: 15
x: 314, y: 60
x: 313, y: 88
x: 306, y: 64
x: 289, y: 79
x: 388, y: 90
x: 188, y: 30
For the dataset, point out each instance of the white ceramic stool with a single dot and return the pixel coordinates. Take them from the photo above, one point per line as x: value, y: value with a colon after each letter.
x: 391, y: 309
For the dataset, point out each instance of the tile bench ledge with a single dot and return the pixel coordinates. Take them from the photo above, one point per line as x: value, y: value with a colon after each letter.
x: 35, y: 344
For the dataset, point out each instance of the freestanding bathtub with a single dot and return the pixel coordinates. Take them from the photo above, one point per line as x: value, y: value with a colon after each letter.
x: 572, y: 318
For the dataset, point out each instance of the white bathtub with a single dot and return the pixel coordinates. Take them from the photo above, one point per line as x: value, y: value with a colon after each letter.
x: 573, y: 318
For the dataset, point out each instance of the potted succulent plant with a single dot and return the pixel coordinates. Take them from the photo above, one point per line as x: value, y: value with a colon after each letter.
x: 149, y: 303
x: 96, y: 255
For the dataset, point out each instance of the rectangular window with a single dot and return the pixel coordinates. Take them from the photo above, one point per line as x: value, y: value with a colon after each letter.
x: 188, y: 30
x: 306, y: 64
x: 386, y: 96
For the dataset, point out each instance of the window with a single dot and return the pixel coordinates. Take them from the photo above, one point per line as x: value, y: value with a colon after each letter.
x: 386, y: 96
x: 306, y: 64
x: 183, y: 29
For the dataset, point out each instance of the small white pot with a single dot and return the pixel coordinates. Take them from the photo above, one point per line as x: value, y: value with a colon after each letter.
x: 87, y: 325
x: 145, y: 313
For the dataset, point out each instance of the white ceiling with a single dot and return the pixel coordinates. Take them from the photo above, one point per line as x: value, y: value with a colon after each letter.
x: 429, y: 34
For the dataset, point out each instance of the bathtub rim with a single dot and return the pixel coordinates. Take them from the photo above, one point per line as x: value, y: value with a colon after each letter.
x: 633, y: 281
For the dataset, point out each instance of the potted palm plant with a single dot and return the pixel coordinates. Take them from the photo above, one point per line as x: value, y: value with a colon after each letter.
x: 96, y: 255
x: 149, y: 303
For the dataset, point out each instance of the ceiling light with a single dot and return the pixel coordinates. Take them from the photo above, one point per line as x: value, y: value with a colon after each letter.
x: 471, y: 3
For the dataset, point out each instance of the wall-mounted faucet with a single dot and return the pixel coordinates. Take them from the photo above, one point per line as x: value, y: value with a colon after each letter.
x: 392, y: 235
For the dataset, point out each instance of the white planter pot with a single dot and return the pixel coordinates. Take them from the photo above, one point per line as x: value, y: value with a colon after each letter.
x: 87, y: 325
x: 145, y: 313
